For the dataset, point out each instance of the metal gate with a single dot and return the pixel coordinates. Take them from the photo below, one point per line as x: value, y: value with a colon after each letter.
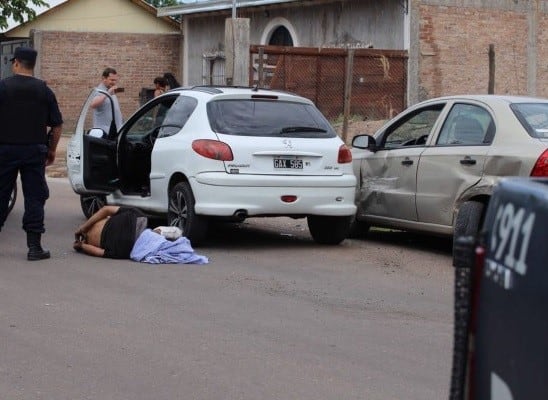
x: 7, y: 49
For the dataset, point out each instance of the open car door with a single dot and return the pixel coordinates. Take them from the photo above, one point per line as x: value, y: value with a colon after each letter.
x: 91, y: 154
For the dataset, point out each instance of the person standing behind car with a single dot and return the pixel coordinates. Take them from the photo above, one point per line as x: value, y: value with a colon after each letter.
x: 171, y: 80
x: 27, y: 107
x: 102, y: 109
x: 160, y: 85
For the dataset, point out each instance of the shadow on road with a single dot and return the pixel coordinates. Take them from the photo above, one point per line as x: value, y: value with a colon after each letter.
x: 254, y: 233
x: 282, y: 232
x: 257, y: 233
x: 411, y: 240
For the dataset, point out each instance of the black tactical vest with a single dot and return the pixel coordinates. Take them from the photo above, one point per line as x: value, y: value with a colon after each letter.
x: 23, y: 110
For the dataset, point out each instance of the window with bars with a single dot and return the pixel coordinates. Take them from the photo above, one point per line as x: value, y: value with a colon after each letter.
x: 213, y: 68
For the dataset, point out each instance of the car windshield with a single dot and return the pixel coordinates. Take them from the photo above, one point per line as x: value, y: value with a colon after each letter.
x: 268, y: 118
x: 533, y: 117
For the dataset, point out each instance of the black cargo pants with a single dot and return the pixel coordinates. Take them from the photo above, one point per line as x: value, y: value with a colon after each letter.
x: 29, y: 161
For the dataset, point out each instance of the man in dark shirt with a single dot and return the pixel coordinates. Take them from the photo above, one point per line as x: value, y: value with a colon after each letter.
x: 27, y: 108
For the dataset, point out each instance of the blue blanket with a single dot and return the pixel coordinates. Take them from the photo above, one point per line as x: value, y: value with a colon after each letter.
x: 153, y: 248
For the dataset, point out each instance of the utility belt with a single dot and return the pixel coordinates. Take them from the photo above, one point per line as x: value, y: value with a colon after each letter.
x: 49, y: 140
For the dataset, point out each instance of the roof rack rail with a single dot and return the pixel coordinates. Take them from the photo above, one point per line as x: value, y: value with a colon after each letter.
x: 215, y: 89
x: 207, y: 89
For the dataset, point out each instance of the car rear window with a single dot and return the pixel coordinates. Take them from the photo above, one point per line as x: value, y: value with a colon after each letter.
x: 533, y: 117
x: 273, y: 118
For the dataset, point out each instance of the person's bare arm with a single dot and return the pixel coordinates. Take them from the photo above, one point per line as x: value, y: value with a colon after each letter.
x: 104, y: 212
x: 92, y: 250
x: 52, y: 149
x: 100, y: 98
x: 88, y: 249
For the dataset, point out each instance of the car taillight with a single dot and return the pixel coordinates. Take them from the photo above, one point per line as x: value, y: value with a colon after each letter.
x: 541, y: 166
x: 213, y: 149
x: 345, y: 155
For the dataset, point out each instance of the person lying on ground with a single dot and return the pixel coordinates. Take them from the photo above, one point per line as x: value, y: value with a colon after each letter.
x: 114, y: 231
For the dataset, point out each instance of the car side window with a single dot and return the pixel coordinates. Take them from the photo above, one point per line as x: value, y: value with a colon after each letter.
x: 413, y: 129
x: 149, y: 120
x: 178, y: 115
x: 467, y: 124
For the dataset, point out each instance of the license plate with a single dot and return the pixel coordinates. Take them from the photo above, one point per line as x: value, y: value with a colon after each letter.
x: 288, y: 163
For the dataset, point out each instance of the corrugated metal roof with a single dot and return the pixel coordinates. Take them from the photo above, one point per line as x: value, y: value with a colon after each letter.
x: 213, y: 5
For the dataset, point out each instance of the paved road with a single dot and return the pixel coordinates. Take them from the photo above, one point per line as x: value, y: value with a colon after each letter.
x: 273, y: 316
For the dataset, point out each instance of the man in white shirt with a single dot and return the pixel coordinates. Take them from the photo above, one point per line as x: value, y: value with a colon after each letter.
x: 102, y: 107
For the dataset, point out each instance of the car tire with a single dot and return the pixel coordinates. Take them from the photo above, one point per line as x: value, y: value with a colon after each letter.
x: 91, y: 203
x: 328, y: 230
x: 468, y: 221
x: 181, y: 213
x: 358, y: 229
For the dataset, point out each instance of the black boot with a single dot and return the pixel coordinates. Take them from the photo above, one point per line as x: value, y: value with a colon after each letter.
x: 36, y: 252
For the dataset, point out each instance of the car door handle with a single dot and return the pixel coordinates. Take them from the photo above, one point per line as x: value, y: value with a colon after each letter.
x: 468, y: 161
x: 407, y: 161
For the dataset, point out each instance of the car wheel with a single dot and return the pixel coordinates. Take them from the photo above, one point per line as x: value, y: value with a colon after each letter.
x: 181, y: 213
x: 468, y: 220
x: 13, y: 197
x: 358, y: 229
x: 91, y: 203
x: 328, y: 230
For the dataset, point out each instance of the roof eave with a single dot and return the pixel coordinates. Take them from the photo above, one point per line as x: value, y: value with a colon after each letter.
x: 153, y: 10
x: 212, y: 6
x: 141, y: 3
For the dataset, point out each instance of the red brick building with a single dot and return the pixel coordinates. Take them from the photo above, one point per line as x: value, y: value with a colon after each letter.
x: 447, y: 42
x: 451, y: 52
x: 77, y: 39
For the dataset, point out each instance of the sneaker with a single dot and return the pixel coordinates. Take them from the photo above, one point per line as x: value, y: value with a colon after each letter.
x: 169, y: 232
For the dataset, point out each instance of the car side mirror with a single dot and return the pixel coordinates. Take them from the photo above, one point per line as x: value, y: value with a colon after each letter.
x: 96, y: 132
x: 364, y: 142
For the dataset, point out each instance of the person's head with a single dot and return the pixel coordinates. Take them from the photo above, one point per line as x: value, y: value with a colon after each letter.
x: 171, y: 81
x: 160, y: 82
x: 24, y: 59
x: 110, y: 77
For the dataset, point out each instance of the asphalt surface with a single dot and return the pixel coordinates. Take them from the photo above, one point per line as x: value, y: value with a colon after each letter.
x: 272, y: 316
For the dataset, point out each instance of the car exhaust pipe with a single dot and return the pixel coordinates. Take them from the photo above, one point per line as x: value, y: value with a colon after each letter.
x: 240, y: 215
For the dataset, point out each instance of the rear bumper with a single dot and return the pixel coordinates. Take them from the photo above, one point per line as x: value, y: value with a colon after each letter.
x: 261, y: 195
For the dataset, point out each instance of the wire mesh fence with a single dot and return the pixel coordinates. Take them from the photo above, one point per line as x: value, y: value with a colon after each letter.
x: 345, y: 84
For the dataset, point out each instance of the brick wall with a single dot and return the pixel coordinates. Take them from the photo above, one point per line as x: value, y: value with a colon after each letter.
x: 454, y: 50
x: 72, y: 63
x: 542, y: 43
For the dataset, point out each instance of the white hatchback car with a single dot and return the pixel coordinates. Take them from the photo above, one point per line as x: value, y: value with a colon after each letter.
x: 433, y: 167
x: 203, y: 153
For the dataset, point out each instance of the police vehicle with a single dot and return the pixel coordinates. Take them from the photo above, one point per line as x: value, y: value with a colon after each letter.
x: 501, y: 299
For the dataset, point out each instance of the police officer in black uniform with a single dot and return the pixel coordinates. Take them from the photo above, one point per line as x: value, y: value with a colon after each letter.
x: 27, y: 108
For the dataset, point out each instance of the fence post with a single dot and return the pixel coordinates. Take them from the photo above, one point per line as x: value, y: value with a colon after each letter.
x: 347, y: 92
x: 260, y: 71
x: 491, y: 85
